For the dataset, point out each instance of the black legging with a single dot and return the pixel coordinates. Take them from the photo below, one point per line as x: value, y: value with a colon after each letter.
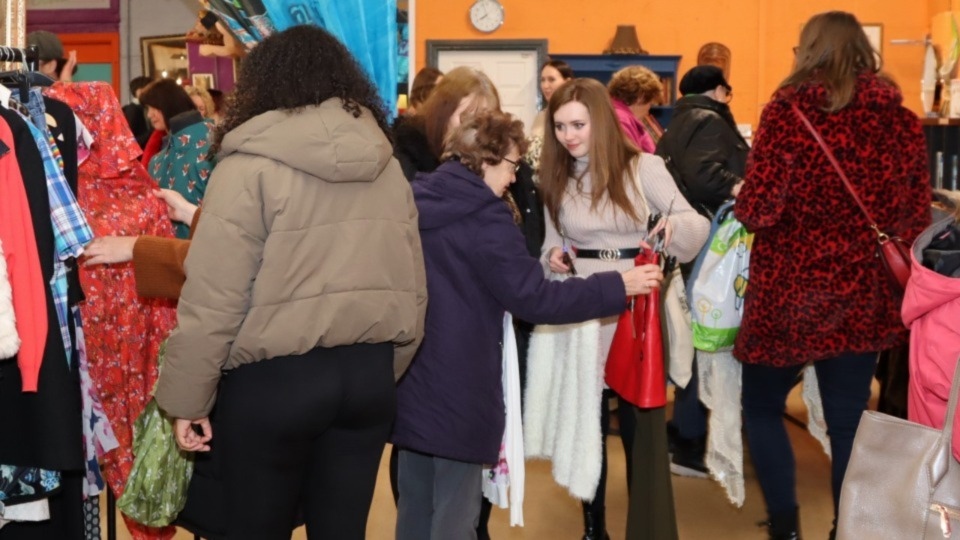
x: 627, y: 429
x: 305, y: 430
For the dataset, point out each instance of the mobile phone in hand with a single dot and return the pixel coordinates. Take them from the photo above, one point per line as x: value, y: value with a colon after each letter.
x: 569, y: 262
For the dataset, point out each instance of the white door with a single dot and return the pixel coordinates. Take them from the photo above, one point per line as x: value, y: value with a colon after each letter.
x: 515, y: 74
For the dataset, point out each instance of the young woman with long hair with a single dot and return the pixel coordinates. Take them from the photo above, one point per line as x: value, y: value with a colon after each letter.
x: 817, y: 291
x: 599, y: 192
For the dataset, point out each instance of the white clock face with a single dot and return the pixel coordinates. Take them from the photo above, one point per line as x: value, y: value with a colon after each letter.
x: 486, y: 15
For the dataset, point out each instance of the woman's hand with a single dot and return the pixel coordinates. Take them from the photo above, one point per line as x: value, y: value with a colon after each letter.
x: 642, y: 279
x: 109, y: 250
x: 66, y: 74
x: 556, y: 260
x: 188, y: 439
x: 179, y: 208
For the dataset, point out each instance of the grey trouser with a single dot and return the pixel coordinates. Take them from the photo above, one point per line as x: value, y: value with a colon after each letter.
x: 439, y: 498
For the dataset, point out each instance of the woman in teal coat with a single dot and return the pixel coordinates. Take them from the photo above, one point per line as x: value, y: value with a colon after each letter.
x: 183, y: 164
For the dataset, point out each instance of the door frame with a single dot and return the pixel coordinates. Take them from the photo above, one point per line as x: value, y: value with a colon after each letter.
x: 436, y: 46
x: 537, y: 46
x: 97, y: 48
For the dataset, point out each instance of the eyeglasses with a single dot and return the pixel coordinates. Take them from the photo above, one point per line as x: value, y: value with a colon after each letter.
x: 516, y: 164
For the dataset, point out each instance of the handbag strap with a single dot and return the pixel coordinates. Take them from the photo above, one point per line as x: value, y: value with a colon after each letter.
x: 833, y: 161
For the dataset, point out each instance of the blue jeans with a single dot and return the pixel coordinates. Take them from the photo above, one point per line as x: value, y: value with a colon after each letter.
x: 844, y: 388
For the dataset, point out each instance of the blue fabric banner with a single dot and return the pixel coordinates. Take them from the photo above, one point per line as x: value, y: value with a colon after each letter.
x: 368, y: 28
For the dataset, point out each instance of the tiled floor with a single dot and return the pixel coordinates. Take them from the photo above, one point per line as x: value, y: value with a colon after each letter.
x: 702, y: 508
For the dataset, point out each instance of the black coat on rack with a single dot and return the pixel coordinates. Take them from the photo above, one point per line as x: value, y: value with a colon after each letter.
x: 43, y: 429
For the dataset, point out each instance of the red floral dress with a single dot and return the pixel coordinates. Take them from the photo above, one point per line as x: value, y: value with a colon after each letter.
x: 123, y: 331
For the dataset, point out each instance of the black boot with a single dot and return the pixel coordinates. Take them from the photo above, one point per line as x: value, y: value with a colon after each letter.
x: 784, y: 526
x: 594, y: 524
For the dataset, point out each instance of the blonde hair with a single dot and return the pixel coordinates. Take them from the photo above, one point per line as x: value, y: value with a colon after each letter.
x: 634, y: 84
x: 610, y: 153
x: 459, y: 83
x: 205, y: 97
x: 833, y: 51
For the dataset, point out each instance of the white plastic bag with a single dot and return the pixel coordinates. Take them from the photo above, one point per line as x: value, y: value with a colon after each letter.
x: 718, y: 283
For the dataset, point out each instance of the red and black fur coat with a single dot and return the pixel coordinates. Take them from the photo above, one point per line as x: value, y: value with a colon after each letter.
x: 816, y: 288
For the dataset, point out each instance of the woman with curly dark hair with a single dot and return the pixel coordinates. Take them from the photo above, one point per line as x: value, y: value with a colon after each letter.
x: 305, y: 294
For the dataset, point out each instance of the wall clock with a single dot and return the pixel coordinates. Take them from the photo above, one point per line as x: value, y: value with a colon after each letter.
x: 486, y: 15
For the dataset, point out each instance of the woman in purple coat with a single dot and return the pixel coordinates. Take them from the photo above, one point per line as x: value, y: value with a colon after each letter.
x: 450, y: 409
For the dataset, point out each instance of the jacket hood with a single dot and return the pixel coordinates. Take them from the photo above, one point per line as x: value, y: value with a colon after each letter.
x: 927, y: 290
x: 872, y: 92
x: 323, y: 140
x: 449, y: 194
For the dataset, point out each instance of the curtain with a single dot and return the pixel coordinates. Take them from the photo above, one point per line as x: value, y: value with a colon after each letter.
x: 368, y: 28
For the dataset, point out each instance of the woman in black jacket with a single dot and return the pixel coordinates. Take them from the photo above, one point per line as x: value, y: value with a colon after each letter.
x: 702, y: 147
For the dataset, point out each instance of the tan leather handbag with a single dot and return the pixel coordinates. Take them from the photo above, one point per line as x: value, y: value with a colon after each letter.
x: 902, y: 482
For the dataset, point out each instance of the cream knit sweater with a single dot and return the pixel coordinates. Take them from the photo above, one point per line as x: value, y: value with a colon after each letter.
x: 605, y: 228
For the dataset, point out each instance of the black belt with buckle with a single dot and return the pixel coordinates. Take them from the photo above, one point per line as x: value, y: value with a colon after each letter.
x: 607, y: 254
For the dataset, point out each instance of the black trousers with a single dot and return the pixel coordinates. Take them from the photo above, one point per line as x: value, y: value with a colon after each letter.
x: 305, y: 431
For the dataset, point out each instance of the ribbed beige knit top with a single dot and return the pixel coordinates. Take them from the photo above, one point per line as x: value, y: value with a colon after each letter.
x: 606, y: 227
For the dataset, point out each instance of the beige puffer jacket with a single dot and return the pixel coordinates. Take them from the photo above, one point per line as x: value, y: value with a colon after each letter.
x: 308, y: 238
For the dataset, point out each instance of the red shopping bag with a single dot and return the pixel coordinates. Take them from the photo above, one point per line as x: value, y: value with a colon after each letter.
x: 635, y: 368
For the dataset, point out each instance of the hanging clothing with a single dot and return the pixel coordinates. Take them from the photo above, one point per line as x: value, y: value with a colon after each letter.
x: 18, y: 483
x: 9, y: 338
x: 43, y: 428
x: 70, y: 229
x: 123, y: 331
x: 28, y: 332
x: 183, y: 164
x: 71, y: 233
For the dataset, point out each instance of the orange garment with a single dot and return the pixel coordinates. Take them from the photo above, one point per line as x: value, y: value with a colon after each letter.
x: 23, y: 264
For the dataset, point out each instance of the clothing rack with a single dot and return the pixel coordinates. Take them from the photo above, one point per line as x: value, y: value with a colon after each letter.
x: 29, y: 56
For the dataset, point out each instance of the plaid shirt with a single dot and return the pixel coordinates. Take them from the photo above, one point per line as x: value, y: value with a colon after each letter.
x: 70, y: 229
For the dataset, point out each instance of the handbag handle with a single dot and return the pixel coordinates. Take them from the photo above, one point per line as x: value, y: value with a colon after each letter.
x: 833, y: 161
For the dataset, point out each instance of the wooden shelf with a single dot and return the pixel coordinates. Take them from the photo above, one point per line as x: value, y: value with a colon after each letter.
x: 940, y: 121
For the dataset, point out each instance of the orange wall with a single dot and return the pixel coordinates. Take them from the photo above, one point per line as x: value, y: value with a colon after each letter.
x: 761, y: 33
